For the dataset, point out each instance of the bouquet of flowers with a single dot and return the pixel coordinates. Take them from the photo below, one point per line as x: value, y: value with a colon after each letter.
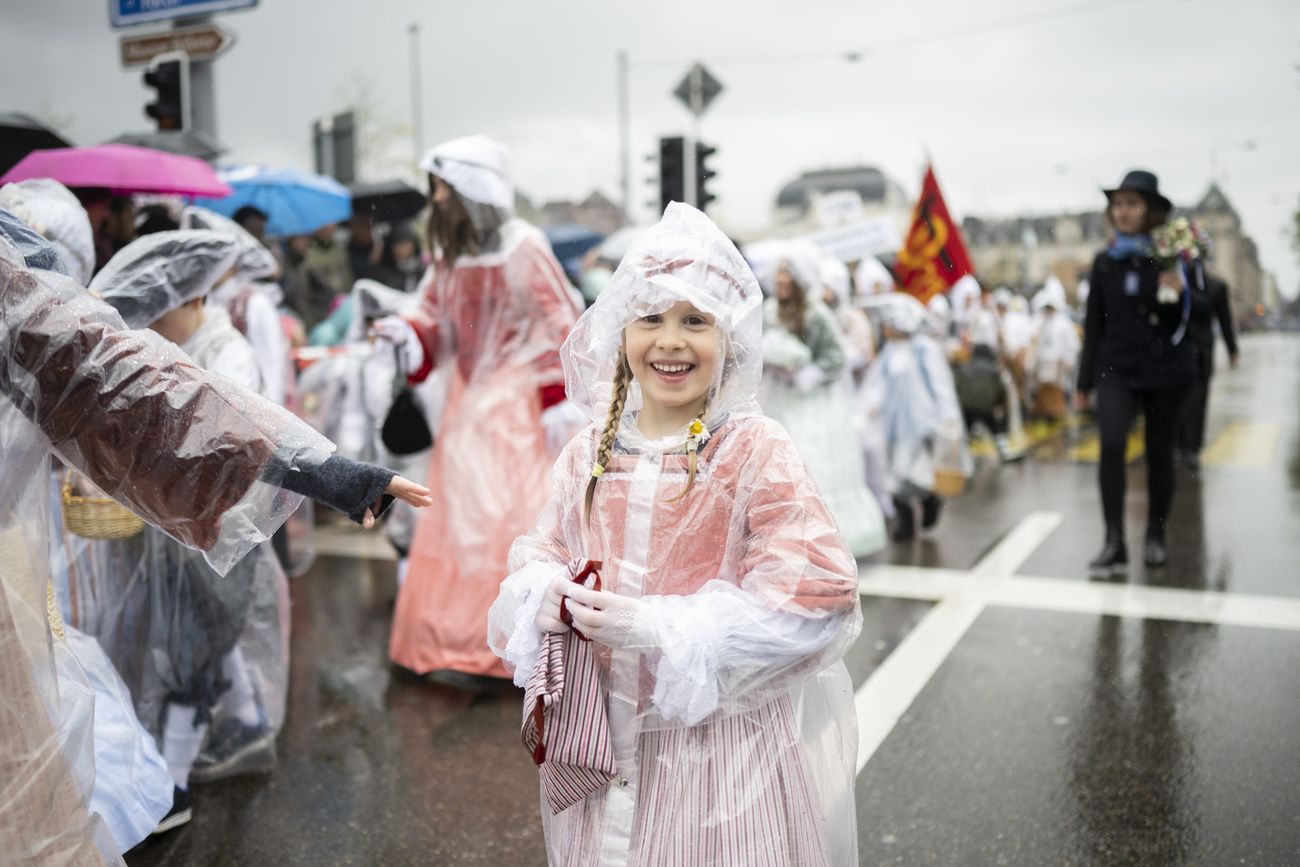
x: 1175, y: 245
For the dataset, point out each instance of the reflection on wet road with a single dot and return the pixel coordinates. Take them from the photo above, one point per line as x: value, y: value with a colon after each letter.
x: 1012, y: 711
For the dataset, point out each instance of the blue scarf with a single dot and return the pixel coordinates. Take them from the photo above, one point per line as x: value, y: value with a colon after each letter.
x: 1123, y: 246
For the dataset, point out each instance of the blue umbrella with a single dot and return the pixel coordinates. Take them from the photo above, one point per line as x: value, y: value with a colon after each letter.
x: 295, y: 203
x: 570, y: 242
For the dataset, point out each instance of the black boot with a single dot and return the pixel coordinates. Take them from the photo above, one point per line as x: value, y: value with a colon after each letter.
x: 905, y: 522
x: 1154, y: 553
x: 930, y: 508
x: 1113, y: 557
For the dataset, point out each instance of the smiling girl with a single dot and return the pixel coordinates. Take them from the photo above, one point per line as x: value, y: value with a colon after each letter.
x: 727, y: 595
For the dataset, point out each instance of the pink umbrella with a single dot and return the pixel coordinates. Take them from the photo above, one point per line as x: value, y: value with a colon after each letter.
x: 121, y: 168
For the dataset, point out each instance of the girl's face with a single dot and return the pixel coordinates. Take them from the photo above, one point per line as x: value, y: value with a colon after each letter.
x: 1128, y: 211
x: 671, y: 355
x: 784, y: 284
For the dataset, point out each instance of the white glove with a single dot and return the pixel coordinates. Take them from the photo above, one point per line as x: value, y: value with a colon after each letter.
x: 394, y: 329
x: 610, y: 619
x: 809, y: 377
x: 400, y: 334
x: 561, y: 422
x: 548, y: 616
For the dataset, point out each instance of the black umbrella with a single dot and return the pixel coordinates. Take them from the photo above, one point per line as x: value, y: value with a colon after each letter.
x: 187, y: 143
x: 386, y: 201
x: 20, y: 134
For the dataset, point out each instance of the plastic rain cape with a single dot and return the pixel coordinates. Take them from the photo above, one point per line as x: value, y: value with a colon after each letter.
x: 173, y: 627
x: 193, y: 453
x: 160, y: 272
x: 733, y: 726
x: 52, y: 210
x: 817, y: 416
x: 494, y: 322
x: 914, y: 418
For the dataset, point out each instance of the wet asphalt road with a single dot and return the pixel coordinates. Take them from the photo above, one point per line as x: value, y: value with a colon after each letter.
x: 1012, y: 711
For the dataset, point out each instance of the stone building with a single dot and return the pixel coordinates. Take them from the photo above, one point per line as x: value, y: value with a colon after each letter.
x: 1023, y: 251
x: 1235, y: 258
x: 596, y: 212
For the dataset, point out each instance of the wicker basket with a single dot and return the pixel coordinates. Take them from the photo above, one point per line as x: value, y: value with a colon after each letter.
x: 949, y: 482
x: 949, y: 478
x: 96, y: 517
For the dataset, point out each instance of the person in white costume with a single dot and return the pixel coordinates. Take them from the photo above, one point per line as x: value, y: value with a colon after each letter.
x: 1054, y: 352
x: 729, y: 596
x: 912, y: 405
x: 136, y: 417
x: 249, y: 300
x: 803, y: 357
x: 213, y: 683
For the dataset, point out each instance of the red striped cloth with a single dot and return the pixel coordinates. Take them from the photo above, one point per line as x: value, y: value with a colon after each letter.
x: 565, y: 726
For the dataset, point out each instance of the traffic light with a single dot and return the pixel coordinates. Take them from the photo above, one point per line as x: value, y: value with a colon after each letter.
x: 672, y: 171
x: 168, y: 108
x: 702, y: 174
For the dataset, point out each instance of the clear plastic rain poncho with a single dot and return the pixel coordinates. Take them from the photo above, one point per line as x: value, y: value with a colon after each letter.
x: 158, y: 273
x: 732, y: 715
x: 188, y: 450
x: 52, y: 210
x: 250, y: 300
x: 494, y: 321
x: 180, y: 633
x: 802, y: 390
x: 354, y: 389
x: 914, y: 418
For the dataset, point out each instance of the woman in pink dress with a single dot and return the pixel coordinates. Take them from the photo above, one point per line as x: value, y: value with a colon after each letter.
x: 728, y: 595
x: 495, y: 310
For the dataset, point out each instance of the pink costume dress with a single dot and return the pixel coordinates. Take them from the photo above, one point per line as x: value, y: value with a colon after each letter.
x: 500, y: 317
x: 730, y: 711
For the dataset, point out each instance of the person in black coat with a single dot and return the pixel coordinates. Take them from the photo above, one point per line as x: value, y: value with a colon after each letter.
x: 1200, y: 334
x: 1136, y: 357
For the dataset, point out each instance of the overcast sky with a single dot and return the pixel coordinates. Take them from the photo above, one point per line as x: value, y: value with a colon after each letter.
x: 1026, y: 106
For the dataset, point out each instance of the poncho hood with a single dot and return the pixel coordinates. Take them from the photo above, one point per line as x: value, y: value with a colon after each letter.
x: 158, y: 273
x: 684, y: 257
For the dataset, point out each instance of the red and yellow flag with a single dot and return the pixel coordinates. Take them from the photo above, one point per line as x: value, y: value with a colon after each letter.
x: 934, y: 255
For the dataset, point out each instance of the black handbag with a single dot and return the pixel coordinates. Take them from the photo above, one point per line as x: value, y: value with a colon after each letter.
x: 406, y: 427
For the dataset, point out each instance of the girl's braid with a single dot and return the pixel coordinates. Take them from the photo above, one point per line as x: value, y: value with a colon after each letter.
x: 622, y: 376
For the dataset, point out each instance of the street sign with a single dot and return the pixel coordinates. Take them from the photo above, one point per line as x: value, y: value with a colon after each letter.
x: 125, y: 13
x: 698, y: 89
x: 199, y: 43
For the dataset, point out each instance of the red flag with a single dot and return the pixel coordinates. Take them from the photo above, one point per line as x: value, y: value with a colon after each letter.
x: 934, y: 255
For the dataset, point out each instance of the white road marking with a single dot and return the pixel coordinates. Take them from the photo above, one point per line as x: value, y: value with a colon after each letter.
x: 891, y: 688
x: 962, y: 595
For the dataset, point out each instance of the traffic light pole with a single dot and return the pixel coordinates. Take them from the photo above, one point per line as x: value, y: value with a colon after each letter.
x: 689, y: 169
x: 202, y: 97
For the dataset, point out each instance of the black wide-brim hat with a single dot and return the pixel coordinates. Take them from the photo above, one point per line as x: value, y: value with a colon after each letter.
x: 1144, y: 182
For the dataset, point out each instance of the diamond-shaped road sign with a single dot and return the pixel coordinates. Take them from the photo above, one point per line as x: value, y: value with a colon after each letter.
x: 698, y: 89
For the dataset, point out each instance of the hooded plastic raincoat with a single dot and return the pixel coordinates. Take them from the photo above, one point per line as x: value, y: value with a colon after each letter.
x: 190, y: 451
x: 731, y: 715
x: 498, y: 319
x: 802, y: 392
x: 177, y: 631
x: 249, y: 300
x: 915, y: 418
x: 52, y: 210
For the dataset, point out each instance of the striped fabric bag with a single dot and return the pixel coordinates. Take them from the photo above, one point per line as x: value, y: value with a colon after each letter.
x: 565, y: 726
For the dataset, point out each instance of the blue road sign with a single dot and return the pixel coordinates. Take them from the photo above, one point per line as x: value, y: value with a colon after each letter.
x: 125, y: 13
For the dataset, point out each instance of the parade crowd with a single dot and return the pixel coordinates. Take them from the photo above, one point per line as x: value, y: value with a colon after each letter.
x: 644, y: 502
